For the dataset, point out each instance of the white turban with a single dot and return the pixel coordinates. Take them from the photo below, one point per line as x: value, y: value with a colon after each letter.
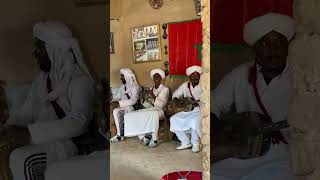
x: 129, y: 76
x: 54, y: 34
x: 193, y: 69
x: 59, y: 43
x: 157, y: 71
x: 257, y: 27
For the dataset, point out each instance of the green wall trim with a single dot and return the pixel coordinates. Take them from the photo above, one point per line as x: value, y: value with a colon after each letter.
x: 191, y: 20
x: 178, y: 76
x: 227, y: 48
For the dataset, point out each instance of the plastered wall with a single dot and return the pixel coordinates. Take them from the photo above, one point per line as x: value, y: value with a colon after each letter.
x: 305, y: 101
x: 205, y: 89
x: 16, y: 44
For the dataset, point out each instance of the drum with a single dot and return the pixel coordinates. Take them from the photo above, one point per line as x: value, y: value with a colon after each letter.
x: 235, y: 135
x: 243, y: 135
x: 179, y: 105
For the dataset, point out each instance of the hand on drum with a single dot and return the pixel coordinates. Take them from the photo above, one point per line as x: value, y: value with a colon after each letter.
x: 195, y: 103
x: 115, y: 104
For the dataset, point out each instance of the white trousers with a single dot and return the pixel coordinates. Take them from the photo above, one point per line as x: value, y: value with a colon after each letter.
x: 29, y: 162
x: 274, y: 165
x: 142, y: 122
x: 154, y: 136
x: 116, y: 113
x: 183, y: 137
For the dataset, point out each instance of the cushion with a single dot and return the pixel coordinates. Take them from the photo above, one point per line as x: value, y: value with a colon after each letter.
x: 115, y: 90
x: 16, y: 94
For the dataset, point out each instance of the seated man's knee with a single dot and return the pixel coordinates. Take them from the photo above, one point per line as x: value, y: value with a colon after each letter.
x: 51, y: 172
x: 17, y: 157
x: 17, y: 160
x: 116, y: 111
x: 171, y: 119
x: 24, y: 157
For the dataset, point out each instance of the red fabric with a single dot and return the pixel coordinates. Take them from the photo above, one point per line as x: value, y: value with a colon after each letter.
x: 59, y: 111
x: 276, y: 135
x: 194, y: 175
x: 229, y: 16
x: 182, y: 38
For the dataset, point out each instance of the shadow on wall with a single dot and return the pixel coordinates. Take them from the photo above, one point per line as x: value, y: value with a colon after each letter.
x: 17, y: 61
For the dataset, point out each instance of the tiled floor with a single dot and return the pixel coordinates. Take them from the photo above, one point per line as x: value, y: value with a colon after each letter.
x: 130, y: 160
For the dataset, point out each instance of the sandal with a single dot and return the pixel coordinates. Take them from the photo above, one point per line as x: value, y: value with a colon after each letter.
x: 116, y: 139
x: 145, y: 140
x: 153, y: 144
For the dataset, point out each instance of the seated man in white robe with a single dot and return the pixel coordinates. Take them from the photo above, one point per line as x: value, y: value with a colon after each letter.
x: 127, y: 96
x: 96, y: 164
x: 144, y: 121
x: 183, y: 123
x: 58, y: 105
x: 266, y: 79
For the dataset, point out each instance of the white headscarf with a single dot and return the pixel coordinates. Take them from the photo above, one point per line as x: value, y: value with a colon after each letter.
x: 59, y: 45
x: 157, y: 71
x: 193, y: 69
x: 262, y: 25
x: 129, y: 77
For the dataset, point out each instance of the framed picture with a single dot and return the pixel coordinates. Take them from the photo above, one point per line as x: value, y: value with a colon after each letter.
x: 111, y: 43
x: 146, y: 45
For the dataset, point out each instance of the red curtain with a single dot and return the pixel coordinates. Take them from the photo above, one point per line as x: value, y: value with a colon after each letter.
x: 184, y: 45
x: 229, y: 16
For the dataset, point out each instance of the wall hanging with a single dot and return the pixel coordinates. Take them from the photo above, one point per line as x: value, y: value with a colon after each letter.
x: 146, y: 43
x: 111, y: 43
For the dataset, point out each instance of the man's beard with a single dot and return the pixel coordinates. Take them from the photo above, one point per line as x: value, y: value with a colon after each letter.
x: 195, y: 83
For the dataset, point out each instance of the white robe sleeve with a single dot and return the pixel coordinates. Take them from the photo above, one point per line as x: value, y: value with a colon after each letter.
x: 81, y: 97
x: 23, y: 115
x: 179, y: 92
x: 118, y: 96
x: 133, y: 100
x: 162, y: 98
x: 223, y: 96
